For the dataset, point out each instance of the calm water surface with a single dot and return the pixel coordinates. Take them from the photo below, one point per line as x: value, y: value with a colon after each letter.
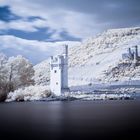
x: 70, y: 120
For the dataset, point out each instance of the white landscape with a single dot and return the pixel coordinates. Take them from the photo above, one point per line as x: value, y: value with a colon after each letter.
x: 69, y: 69
x: 96, y: 70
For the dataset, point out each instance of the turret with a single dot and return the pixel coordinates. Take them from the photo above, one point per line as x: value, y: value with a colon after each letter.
x: 129, y: 50
x: 59, y: 72
x: 136, y: 57
x: 136, y: 51
x: 65, y: 50
x: 65, y: 68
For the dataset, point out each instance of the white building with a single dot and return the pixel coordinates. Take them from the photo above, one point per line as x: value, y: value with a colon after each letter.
x: 59, y: 72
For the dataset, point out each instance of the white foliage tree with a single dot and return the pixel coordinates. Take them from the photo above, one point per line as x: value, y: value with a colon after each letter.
x: 15, y: 72
x: 3, y: 61
x: 20, y: 71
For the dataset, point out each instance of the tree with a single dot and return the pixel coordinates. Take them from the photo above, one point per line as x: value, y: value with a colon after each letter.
x: 15, y: 72
x: 20, y: 71
x: 3, y: 61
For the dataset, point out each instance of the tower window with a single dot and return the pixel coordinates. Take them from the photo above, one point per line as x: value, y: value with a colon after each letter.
x: 55, y: 71
x: 56, y: 83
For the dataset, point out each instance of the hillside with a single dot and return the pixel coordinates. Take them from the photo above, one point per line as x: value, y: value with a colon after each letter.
x: 42, y: 73
x: 94, y: 59
x: 97, y: 55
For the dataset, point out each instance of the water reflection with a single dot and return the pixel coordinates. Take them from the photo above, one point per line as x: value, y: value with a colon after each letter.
x: 58, y: 120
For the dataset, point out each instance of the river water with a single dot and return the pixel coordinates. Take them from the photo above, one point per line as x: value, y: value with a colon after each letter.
x: 112, y: 119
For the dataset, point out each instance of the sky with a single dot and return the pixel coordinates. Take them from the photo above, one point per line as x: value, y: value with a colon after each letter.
x: 64, y: 20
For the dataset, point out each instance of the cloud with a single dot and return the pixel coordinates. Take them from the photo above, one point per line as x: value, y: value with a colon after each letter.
x: 58, y: 19
x: 79, y: 18
x: 23, y: 25
x: 34, y: 50
x: 6, y: 15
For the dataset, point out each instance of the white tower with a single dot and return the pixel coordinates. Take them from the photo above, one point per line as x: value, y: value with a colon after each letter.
x: 59, y: 72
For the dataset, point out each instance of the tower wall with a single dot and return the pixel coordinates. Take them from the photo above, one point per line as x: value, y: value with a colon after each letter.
x: 55, y: 75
